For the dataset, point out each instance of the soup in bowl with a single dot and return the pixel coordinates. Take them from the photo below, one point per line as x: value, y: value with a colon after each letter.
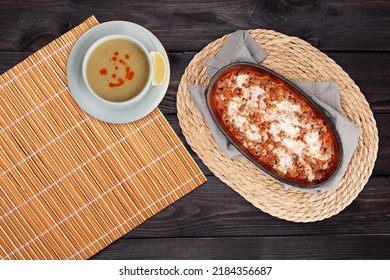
x: 118, y: 69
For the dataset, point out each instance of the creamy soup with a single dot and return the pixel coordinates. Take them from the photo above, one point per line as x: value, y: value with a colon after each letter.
x: 117, y: 70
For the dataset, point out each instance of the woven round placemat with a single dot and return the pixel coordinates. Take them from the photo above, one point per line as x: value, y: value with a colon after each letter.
x: 296, y: 60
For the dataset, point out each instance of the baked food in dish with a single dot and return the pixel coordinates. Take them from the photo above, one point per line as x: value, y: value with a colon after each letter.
x: 274, y: 124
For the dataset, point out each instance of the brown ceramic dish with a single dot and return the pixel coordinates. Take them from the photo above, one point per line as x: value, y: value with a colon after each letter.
x: 274, y: 124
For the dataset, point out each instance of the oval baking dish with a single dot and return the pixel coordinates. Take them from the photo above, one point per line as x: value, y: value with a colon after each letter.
x: 274, y: 124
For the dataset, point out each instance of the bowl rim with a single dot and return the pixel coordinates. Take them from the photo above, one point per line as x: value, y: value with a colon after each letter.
x: 97, y: 44
x: 321, y: 111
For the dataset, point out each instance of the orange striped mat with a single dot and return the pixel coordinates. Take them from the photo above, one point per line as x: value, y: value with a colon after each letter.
x: 70, y: 184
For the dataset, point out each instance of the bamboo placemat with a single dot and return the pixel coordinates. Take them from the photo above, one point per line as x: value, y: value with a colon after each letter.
x: 70, y: 184
x: 296, y: 60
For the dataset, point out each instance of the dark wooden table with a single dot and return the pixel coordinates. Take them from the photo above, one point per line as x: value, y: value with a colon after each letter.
x: 214, y: 222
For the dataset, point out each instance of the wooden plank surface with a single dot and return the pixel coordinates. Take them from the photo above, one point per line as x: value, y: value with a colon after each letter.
x: 331, y: 247
x: 190, y: 25
x: 214, y: 222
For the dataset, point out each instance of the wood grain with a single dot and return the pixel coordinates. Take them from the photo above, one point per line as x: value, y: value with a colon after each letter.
x: 332, y: 247
x: 330, y: 25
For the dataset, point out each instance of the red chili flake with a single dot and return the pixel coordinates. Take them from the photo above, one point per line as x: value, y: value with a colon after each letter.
x: 116, y: 67
x: 127, y: 56
x: 113, y: 75
x: 121, y: 61
x: 103, y: 71
x: 116, y: 53
x: 114, y: 58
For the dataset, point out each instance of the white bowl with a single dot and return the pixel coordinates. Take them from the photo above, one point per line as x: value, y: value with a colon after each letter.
x: 103, y: 110
x: 148, y: 84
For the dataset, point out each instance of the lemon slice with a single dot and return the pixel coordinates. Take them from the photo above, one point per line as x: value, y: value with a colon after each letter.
x: 159, y: 67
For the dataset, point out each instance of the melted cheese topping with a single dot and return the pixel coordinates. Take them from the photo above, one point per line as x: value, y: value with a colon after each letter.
x: 273, y: 125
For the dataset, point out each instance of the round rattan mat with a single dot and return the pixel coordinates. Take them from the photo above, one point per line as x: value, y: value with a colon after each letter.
x: 296, y: 60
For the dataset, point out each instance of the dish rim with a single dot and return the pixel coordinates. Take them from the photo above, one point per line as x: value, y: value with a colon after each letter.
x: 320, y: 110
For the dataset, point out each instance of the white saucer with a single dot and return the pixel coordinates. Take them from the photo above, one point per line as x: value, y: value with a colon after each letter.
x: 97, y: 108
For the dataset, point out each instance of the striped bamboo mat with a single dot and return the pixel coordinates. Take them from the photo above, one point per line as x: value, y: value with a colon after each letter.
x: 70, y: 184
